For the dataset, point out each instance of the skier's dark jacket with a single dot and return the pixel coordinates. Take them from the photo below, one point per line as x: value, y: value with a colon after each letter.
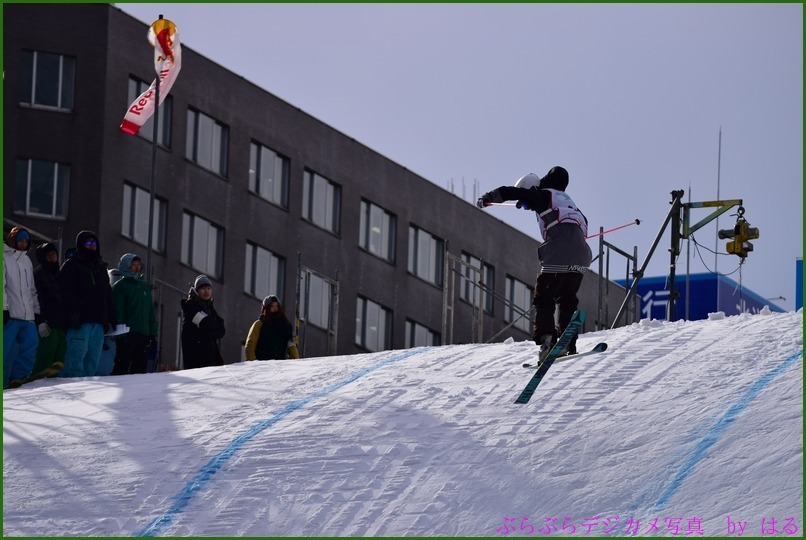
x: 46, y: 278
x: 565, y: 248
x: 201, y: 329
x: 84, y: 283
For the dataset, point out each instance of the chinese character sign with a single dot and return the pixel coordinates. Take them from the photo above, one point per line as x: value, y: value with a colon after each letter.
x: 164, y: 37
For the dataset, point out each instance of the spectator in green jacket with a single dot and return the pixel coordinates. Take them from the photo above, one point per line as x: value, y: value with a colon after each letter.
x: 134, y: 307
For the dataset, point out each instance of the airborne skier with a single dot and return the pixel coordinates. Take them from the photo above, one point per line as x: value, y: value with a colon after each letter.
x: 564, y: 255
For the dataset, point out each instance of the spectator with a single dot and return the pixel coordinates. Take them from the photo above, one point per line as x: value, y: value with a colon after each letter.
x: 202, y: 326
x: 52, y: 341
x: 134, y: 307
x: 88, y: 306
x: 20, y: 307
x: 269, y: 336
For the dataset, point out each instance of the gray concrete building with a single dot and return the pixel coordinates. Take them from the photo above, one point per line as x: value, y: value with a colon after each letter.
x: 247, y: 186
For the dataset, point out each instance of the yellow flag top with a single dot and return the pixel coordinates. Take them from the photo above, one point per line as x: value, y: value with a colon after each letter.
x: 164, y: 37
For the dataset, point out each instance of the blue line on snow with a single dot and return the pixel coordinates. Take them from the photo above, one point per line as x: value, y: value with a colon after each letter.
x: 207, y: 471
x: 721, y: 426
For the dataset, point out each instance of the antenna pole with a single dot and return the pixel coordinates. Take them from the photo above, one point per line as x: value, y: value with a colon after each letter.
x: 716, y: 241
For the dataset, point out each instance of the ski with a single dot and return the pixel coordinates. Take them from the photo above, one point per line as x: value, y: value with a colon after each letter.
x: 600, y: 347
x: 573, y: 328
x: 50, y: 371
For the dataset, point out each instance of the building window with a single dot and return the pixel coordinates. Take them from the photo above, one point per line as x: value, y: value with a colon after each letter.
x: 202, y: 245
x: 418, y: 335
x: 48, y: 80
x: 207, y: 142
x: 426, y: 253
x: 471, y: 290
x: 136, y: 88
x: 373, y: 325
x: 317, y: 300
x: 42, y: 188
x: 321, y: 202
x: 377, y: 232
x: 268, y: 174
x: 135, y: 220
x: 518, y: 300
x: 264, y: 273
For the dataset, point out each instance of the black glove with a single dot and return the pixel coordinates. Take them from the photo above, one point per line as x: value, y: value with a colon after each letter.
x: 489, y: 198
x: 6, y: 316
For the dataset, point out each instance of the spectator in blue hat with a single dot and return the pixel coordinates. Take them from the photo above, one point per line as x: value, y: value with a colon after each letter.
x: 20, y: 308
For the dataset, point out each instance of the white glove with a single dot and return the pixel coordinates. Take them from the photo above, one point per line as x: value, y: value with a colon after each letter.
x: 44, y: 329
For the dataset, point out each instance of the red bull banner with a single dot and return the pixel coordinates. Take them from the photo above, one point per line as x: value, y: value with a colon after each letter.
x: 164, y: 37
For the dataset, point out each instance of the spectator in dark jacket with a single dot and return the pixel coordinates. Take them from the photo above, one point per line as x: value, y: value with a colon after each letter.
x: 269, y: 336
x: 52, y: 329
x: 202, y: 327
x: 89, y: 311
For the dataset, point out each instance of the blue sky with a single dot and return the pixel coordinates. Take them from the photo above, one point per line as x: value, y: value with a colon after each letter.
x: 629, y: 98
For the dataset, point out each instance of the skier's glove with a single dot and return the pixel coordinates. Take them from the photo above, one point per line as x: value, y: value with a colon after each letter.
x: 44, y: 329
x: 489, y: 198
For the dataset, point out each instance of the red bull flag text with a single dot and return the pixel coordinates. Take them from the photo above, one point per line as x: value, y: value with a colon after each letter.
x: 164, y: 37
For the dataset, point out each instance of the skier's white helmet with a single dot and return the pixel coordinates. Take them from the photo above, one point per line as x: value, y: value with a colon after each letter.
x: 529, y: 181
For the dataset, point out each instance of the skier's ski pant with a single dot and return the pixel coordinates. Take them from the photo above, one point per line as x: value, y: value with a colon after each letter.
x: 555, y: 292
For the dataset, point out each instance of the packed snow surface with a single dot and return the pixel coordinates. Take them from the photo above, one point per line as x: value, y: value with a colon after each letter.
x: 685, y: 428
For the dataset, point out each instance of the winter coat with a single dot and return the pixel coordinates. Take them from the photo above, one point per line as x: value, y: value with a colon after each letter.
x: 202, y: 327
x: 46, y: 278
x: 19, y: 290
x: 268, y: 338
x: 134, y: 305
x: 84, y: 283
x: 564, y: 248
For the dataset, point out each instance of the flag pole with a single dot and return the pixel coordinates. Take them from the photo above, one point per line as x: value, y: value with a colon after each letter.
x: 149, y: 270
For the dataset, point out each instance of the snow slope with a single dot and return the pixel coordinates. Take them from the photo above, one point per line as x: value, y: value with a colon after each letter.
x: 682, y: 428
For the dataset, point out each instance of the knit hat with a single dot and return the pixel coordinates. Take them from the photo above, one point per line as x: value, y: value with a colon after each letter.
x: 15, y: 234
x: 201, y: 281
x: 269, y: 299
